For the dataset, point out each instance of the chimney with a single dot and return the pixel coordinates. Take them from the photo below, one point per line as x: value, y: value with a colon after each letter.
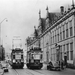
x: 62, y: 10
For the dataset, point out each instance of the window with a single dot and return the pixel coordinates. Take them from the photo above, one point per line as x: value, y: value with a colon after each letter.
x: 63, y: 34
x: 70, y: 23
x: 71, y: 33
x: 57, y: 36
x: 74, y: 30
x: 51, y: 53
x: 66, y: 25
x: 63, y: 48
x: 60, y: 35
x: 63, y: 27
x: 67, y: 47
x: 71, y: 51
x: 47, y: 23
x: 66, y: 30
x: 53, y: 39
x: 61, y: 51
x: 71, y: 55
x: 66, y: 33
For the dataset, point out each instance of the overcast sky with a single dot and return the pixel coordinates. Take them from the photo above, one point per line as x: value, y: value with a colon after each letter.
x: 23, y: 15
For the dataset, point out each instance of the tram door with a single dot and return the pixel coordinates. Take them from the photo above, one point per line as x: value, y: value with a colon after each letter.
x: 65, y: 58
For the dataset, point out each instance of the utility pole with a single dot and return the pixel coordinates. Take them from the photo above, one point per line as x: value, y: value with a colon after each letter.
x: 0, y: 27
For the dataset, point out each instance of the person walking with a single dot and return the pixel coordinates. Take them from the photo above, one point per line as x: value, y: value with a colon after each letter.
x: 62, y: 64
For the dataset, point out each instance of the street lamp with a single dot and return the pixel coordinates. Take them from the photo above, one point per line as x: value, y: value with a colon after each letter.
x: 5, y: 19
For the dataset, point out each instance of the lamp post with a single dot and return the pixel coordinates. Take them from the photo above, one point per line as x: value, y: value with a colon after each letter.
x: 0, y: 27
x: 58, y: 54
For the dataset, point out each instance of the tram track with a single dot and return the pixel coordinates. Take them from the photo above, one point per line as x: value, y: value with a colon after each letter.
x: 35, y: 71
x: 16, y: 72
x: 39, y: 72
x: 28, y: 72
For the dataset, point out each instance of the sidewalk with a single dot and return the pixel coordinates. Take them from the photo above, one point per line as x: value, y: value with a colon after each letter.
x: 68, y: 69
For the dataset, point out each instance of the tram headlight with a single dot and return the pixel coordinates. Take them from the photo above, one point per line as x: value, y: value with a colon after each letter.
x: 13, y: 61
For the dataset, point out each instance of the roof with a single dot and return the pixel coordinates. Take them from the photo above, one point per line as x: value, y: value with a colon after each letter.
x: 54, y: 16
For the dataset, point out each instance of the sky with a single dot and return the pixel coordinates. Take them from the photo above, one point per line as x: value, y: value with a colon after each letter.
x: 22, y: 16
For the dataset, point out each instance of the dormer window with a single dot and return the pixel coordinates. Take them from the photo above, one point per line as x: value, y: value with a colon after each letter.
x: 47, y: 23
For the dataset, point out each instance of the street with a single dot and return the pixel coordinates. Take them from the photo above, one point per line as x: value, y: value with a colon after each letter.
x: 43, y: 71
x: 37, y: 34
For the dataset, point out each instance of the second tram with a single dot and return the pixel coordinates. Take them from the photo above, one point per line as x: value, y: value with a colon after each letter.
x: 35, y: 58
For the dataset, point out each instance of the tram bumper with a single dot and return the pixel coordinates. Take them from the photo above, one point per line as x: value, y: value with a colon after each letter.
x: 18, y: 64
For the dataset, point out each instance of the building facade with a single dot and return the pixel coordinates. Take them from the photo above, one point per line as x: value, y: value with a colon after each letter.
x: 57, y: 28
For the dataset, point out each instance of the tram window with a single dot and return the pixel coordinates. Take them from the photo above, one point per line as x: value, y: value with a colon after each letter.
x: 32, y: 56
x: 41, y: 56
x: 13, y: 56
x: 22, y: 56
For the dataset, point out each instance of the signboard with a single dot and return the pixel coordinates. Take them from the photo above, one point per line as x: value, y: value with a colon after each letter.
x: 36, y: 56
x: 18, y: 56
x: 17, y: 43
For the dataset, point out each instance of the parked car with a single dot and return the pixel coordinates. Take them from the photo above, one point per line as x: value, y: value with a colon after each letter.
x: 4, y: 66
x: 55, y: 65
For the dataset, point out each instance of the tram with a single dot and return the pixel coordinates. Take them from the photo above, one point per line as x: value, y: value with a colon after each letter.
x: 17, y: 58
x: 34, y: 58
